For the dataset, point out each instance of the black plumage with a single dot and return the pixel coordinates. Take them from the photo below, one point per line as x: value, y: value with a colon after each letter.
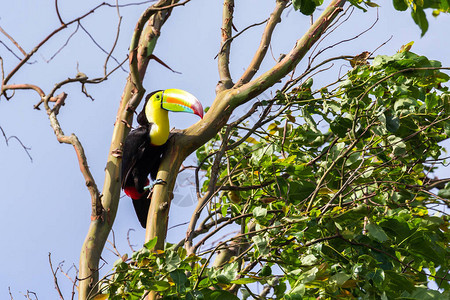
x: 139, y: 159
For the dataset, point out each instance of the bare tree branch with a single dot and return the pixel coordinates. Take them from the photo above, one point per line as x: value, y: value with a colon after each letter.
x: 109, y: 54
x: 7, y: 138
x: 64, y: 45
x: 288, y: 63
x: 274, y: 19
x: 13, y: 41
x: 225, y: 81
x: 55, y: 278
x: 57, y: 13
x: 116, y: 39
x: 38, y: 46
x: 97, y: 208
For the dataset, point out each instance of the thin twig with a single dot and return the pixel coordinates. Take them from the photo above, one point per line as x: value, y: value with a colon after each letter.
x: 64, y: 45
x: 13, y: 41
x: 116, y: 39
x: 44, y: 41
x: 100, y: 47
x: 25, y: 148
x: 57, y: 13
x: 229, y: 40
x: 55, y: 279
x: 128, y: 239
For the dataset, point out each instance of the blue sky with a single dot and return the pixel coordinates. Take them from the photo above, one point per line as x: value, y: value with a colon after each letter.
x: 45, y: 206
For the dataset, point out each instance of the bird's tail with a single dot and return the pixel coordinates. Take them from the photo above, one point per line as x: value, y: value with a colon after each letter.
x: 141, y: 206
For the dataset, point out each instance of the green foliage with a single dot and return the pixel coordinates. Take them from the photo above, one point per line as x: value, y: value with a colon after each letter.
x: 171, y: 273
x: 418, y: 8
x: 306, y: 7
x: 346, y: 211
x: 332, y: 193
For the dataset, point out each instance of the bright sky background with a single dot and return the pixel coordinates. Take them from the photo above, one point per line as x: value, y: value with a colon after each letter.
x: 44, y: 204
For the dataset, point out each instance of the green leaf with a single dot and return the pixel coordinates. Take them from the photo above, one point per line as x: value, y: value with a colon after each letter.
x: 171, y: 260
x: 431, y: 101
x: 195, y: 295
x: 339, y: 278
x: 340, y: 126
x: 261, y: 244
x: 398, y: 282
x: 266, y: 271
x: 219, y: 295
x: 377, y: 276
x: 309, y: 260
x: 120, y: 264
x: 155, y: 285
x: 151, y: 244
x: 400, y: 5
x: 404, y: 104
x: 398, y: 145
x: 445, y: 192
x: 297, y: 292
x: 392, y: 123
x: 306, y: 7
x: 259, y: 212
x: 180, y: 279
x: 244, y: 280
x: 420, y: 18
x: 377, y: 233
x: 421, y: 293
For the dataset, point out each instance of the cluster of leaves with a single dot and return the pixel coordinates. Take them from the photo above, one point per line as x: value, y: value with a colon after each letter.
x: 331, y: 190
x: 348, y: 212
x: 171, y: 273
x: 418, y: 10
x: 417, y: 7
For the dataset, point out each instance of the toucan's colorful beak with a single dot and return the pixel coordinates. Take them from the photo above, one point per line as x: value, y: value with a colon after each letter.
x: 181, y: 101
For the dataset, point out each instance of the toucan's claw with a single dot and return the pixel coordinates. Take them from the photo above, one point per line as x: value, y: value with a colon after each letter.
x: 157, y: 181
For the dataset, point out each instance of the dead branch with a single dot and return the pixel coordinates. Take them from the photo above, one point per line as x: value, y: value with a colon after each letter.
x: 116, y: 39
x: 55, y: 278
x: 57, y: 13
x: 108, y: 53
x: 13, y: 41
x: 8, y: 138
x: 10, y: 50
x: 64, y: 45
x: 97, y: 208
x: 74, y: 281
x: 24, y: 86
x: 31, y: 293
x: 44, y: 41
x: 115, y: 251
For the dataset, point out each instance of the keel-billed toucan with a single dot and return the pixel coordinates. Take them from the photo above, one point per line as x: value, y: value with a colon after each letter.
x: 145, y: 145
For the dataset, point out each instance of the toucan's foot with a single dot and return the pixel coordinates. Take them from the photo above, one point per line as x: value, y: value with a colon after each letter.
x: 157, y: 181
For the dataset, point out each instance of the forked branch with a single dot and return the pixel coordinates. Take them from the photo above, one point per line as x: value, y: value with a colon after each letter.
x: 265, y: 43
